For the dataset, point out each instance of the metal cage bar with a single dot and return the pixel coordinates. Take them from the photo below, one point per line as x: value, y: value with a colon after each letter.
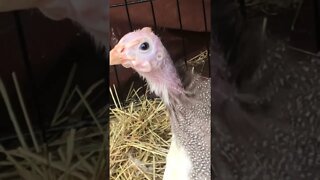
x: 153, y: 16
x: 128, y: 15
x: 183, y: 41
x: 130, y: 3
x: 206, y: 29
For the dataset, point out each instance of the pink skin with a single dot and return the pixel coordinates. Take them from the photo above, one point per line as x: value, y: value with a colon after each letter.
x: 153, y: 64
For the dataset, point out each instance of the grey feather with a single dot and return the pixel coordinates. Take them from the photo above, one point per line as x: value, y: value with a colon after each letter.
x: 190, y: 122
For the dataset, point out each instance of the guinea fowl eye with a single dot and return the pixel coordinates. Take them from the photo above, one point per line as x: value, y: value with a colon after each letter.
x: 144, y: 46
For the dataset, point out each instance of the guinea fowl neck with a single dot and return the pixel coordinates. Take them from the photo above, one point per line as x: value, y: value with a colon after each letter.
x: 164, y: 82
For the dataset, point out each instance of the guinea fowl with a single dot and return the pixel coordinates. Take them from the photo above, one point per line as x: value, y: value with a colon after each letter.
x: 187, y: 99
x: 274, y: 133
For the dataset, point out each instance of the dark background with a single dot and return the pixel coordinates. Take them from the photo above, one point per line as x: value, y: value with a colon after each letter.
x: 41, y: 52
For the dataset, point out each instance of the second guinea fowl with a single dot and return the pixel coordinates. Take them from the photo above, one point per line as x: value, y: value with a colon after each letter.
x: 187, y: 98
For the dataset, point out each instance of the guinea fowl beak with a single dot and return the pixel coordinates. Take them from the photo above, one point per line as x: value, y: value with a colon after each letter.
x: 117, y: 55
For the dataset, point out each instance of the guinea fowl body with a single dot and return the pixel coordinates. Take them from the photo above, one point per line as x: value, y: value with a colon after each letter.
x: 190, y: 124
x: 187, y: 98
x: 288, y: 148
x: 274, y: 133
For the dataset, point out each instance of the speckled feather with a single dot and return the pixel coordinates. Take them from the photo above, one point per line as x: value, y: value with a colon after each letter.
x: 274, y: 134
x: 289, y: 147
x: 190, y: 122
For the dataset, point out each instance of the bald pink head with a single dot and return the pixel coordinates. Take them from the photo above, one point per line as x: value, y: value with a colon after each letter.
x: 143, y: 51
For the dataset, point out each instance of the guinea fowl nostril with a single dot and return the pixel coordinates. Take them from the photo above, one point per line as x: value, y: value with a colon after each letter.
x: 121, y: 50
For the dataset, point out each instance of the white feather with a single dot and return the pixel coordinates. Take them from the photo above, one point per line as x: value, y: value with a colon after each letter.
x: 178, y: 163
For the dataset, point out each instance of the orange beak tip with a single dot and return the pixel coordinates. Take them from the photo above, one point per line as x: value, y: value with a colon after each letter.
x: 116, y: 55
x: 114, y: 58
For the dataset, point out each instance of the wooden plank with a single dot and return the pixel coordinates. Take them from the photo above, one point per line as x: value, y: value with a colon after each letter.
x: 166, y: 14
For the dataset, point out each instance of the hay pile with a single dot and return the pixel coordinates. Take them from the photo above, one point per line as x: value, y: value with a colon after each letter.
x: 140, y: 133
x: 73, y: 154
x: 139, y: 138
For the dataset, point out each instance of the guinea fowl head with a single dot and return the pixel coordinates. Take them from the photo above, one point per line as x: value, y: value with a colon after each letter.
x: 143, y: 51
